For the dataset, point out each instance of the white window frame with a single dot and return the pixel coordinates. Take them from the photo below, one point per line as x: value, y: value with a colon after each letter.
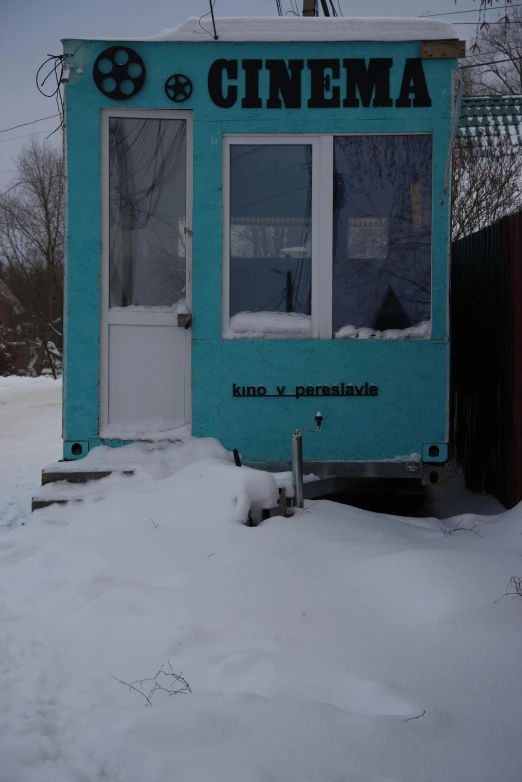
x: 153, y: 316
x: 320, y: 285
x: 322, y: 223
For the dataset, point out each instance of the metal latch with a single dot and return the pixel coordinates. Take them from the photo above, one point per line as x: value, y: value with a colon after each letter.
x: 184, y: 320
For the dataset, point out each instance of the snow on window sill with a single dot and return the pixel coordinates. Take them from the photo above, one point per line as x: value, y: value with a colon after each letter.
x: 269, y: 325
x: 179, y: 308
x: 152, y: 430
x: 420, y: 331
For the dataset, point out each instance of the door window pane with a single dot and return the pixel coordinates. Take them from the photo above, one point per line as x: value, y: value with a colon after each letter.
x: 147, y: 208
x: 382, y: 235
x: 271, y: 239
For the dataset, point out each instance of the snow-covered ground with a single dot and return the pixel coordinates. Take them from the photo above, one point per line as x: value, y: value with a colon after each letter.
x: 30, y: 436
x: 334, y: 645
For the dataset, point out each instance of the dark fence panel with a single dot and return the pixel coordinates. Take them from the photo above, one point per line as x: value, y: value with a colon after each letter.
x: 486, y: 358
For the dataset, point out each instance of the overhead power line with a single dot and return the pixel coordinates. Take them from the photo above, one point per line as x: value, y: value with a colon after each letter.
x: 474, y: 10
x: 26, y: 135
x: 475, y: 24
x: 33, y: 122
x: 491, y: 62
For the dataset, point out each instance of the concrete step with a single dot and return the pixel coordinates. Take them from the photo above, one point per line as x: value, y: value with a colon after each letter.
x: 43, y: 502
x: 63, y: 482
x: 73, y: 472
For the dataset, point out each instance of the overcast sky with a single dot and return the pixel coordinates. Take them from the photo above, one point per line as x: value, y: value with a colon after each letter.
x: 29, y: 29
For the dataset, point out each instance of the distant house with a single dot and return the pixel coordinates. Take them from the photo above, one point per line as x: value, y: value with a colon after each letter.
x: 489, y: 117
x: 9, y: 307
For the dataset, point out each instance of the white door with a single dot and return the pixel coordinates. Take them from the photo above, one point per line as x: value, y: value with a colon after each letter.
x: 146, y: 273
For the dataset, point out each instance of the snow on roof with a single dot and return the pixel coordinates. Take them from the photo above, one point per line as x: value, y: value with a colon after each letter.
x: 489, y: 117
x: 266, y: 28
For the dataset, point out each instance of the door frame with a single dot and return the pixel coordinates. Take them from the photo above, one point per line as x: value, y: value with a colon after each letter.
x: 155, y: 316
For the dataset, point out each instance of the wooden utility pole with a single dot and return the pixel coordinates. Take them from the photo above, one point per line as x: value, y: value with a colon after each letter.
x: 309, y: 7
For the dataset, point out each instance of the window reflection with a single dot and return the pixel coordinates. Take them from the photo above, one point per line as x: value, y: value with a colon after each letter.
x: 147, y: 208
x: 270, y: 228
x: 381, y: 232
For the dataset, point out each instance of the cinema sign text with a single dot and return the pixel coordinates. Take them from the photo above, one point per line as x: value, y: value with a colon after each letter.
x: 333, y: 83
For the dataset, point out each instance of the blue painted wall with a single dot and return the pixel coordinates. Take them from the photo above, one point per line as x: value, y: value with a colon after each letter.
x: 412, y: 376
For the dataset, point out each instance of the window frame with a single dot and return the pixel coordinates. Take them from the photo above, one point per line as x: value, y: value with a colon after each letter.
x: 322, y: 224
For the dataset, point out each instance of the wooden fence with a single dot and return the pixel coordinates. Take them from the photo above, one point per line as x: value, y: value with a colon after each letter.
x: 486, y: 358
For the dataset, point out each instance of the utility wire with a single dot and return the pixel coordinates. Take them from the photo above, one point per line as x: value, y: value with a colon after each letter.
x: 491, y: 62
x: 34, y: 121
x: 474, y: 10
x: 26, y: 135
x: 213, y: 35
x: 487, y: 24
x: 9, y: 189
x: 484, y: 54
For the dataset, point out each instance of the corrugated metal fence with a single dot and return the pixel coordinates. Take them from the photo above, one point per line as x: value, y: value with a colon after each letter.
x: 486, y: 358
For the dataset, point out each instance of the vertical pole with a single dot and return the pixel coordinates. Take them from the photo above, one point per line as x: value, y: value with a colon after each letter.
x: 297, y: 469
x: 309, y: 7
x: 289, y: 293
x: 326, y: 10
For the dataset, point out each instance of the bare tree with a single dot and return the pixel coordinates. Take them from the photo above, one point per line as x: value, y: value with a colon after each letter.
x: 487, y: 170
x: 486, y: 184
x: 498, y: 45
x: 32, y: 247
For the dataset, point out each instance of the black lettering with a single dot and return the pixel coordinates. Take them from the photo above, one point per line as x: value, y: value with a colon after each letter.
x: 326, y: 390
x: 321, y: 83
x: 373, y: 80
x: 366, y: 389
x: 359, y: 390
x: 413, y: 83
x: 252, y: 99
x: 251, y: 391
x: 349, y: 390
x: 309, y: 390
x: 261, y: 391
x: 373, y: 390
x: 215, y: 83
x: 335, y: 390
x: 299, y: 391
x: 318, y: 391
x: 235, y: 390
x: 285, y: 83
x: 281, y: 390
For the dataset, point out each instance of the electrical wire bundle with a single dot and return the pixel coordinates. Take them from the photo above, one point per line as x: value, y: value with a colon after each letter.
x: 56, y: 69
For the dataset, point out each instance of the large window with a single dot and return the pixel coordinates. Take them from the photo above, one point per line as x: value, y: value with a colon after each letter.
x: 328, y: 236
x: 382, y: 234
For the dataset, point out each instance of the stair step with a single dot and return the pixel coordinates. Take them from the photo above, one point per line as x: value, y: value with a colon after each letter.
x: 43, y: 502
x: 54, y: 474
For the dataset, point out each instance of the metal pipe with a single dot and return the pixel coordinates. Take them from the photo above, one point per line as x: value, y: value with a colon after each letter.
x: 297, y: 469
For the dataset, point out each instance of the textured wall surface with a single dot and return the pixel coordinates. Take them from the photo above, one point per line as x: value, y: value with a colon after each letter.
x: 412, y: 376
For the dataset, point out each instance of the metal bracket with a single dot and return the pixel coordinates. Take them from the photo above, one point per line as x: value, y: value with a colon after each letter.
x: 435, y: 474
x: 184, y: 320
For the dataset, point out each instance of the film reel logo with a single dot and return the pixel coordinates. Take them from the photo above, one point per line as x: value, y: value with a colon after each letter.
x: 178, y: 88
x: 119, y: 73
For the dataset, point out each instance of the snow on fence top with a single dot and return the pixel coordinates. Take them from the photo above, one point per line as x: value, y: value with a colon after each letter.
x: 266, y: 28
